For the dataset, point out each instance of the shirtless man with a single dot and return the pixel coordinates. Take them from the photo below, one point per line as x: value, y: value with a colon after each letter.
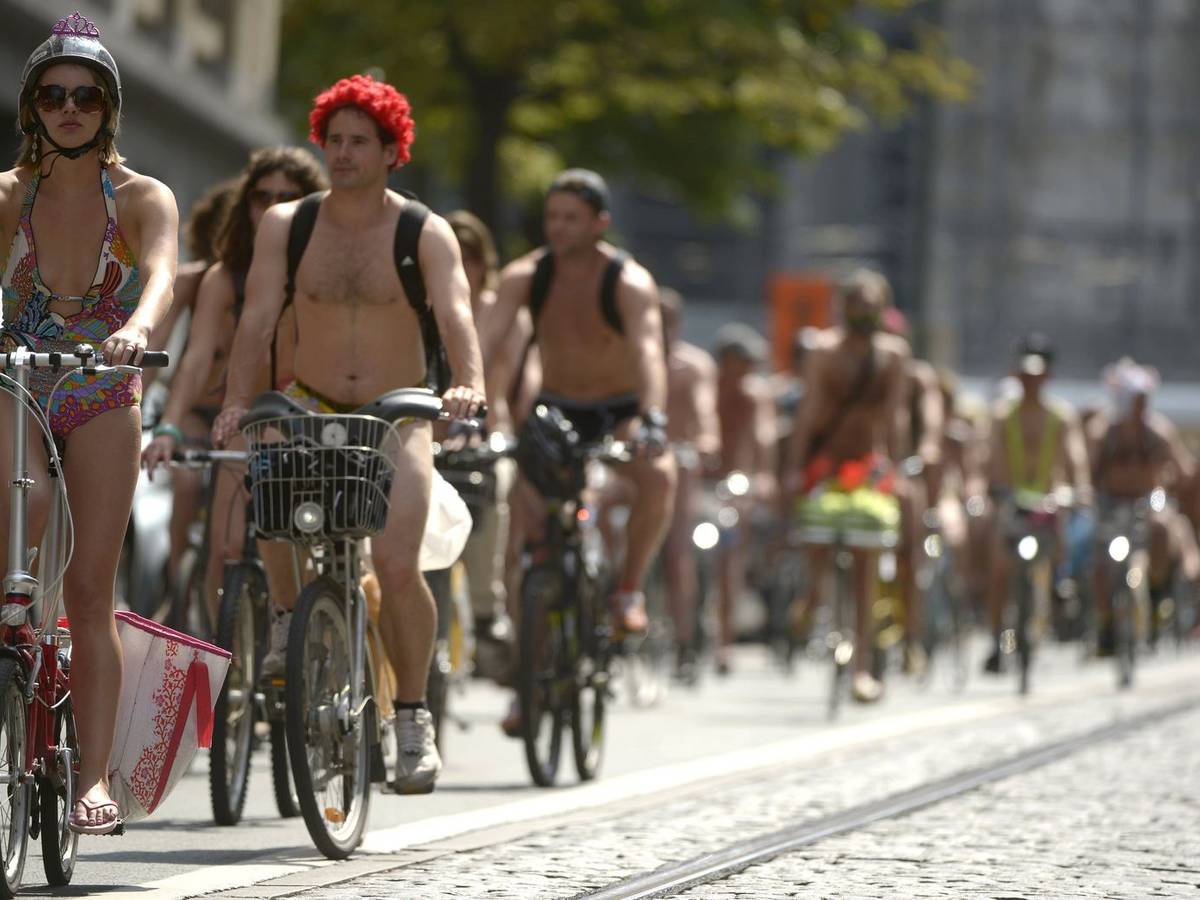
x: 1035, y: 445
x: 601, y: 355
x: 852, y: 416
x: 358, y: 338
x: 1133, y: 451
x: 746, y: 411
x: 692, y: 428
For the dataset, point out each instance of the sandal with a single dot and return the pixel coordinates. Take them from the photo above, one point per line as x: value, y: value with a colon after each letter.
x: 82, y: 826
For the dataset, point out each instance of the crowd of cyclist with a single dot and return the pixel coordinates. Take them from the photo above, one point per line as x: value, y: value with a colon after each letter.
x: 568, y: 346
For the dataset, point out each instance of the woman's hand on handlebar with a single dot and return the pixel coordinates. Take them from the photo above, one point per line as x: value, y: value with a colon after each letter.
x: 126, y: 346
x: 463, y: 402
x: 226, y: 425
x: 158, y: 452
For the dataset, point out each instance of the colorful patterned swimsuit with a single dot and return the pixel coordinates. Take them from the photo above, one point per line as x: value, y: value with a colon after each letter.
x: 107, y: 306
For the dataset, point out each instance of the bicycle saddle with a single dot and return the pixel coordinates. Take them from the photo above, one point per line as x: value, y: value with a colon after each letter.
x: 271, y: 405
x: 404, y: 403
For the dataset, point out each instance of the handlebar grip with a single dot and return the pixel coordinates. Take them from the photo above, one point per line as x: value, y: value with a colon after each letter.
x: 155, y: 359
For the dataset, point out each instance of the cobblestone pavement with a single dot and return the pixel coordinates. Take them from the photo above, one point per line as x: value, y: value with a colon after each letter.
x: 1116, y: 820
x: 609, y: 846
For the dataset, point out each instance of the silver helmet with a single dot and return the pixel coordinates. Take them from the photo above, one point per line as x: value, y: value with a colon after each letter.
x: 73, y: 39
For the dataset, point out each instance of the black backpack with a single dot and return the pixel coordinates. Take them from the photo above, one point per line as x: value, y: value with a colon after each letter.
x: 544, y: 274
x: 408, y: 267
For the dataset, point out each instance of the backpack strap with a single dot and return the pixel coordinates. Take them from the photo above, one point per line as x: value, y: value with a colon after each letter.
x: 408, y: 265
x: 539, y: 288
x: 304, y: 220
x: 608, y: 291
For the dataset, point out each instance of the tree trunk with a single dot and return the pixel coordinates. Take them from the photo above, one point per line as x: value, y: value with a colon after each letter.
x: 493, y: 100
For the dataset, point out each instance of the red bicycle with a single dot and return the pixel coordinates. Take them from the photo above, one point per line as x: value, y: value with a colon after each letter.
x: 39, y: 753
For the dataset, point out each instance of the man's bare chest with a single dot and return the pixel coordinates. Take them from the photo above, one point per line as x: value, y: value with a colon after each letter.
x: 350, y: 271
x: 571, y: 320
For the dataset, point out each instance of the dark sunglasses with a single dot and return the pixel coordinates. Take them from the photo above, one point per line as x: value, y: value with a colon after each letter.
x: 270, y: 198
x: 88, y: 98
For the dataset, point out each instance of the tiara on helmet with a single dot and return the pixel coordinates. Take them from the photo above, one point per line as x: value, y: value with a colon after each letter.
x: 75, y: 25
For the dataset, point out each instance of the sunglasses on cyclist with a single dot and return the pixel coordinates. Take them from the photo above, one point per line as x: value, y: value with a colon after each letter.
x: 270, y: 198
x: 88, y: 98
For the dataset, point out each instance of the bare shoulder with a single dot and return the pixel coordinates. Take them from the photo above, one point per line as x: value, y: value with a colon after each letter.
x: 896, y: 348
x: 216, y: 281
x: 437, y: 229
x: 141, y: 191
x: 13, y: 185
x: 637, y: 278
x: 695, y: 359
x: 1162, y: 426
x: 1098, y: 426
x: 520, y: 269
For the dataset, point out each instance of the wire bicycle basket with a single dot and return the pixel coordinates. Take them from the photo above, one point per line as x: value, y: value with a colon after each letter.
x: 316, y: 477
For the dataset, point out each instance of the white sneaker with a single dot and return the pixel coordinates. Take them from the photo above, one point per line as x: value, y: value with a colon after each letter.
x: 274, y: 662
x: 418, y: 763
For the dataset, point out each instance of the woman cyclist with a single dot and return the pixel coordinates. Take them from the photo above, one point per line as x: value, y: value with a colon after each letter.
x: 101, y: 273
x: 272, y: 176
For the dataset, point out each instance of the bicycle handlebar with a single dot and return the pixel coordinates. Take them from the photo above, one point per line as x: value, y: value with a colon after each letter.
x: 80, y: 359
x: 190, y: 457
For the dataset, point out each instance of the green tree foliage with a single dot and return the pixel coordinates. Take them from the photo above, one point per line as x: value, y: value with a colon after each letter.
x: 682, y: 94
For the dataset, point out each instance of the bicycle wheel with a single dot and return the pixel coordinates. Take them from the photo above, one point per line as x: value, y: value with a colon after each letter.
x: 14, y: 806
x: 56, y: 791
x: 189, y: 604
x: 1123, y: 636
x: 541, y: 683
x: 649, y: 665
x: 840, y: 640
x: 328, y: 741
x: 286, y: 800
x: 238, y: 631
x: 1023, y: 631
x: 589, y: 694
x: 437, y: 688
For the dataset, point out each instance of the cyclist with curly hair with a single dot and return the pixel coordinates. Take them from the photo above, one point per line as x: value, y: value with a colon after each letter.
x: 357, y: 337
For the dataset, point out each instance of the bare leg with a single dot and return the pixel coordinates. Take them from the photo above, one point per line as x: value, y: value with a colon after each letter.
x: 101, y: 468
x: 649, y: 518
x: 228, y: 529
x: 186, y: 491
x: 408, y: 620
x: 681, y: 561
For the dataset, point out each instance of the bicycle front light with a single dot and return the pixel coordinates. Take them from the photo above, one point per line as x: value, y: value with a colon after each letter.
x: 309, y: 517
x: 1118, y: 548
x: 706, y: 536
x: 1027, y: 548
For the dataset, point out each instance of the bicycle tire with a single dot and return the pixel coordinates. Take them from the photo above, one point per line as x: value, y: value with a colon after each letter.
x: 589, y: 684
x: 321, y: 750
x: 189, y: 602
x: 286, y: 800
x: 14, y: 828
x: 1123, y: 638
x: 540, y: 676
x: 437, y: 685
x: 60, y: 845
x: 839, y: 636
x: 243, y: 595
x: 1024, y: 624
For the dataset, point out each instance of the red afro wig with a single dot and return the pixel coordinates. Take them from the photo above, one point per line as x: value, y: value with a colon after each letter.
x: 382, y: 102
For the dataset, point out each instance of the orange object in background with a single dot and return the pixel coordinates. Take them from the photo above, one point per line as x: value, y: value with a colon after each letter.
x: 796, y: 300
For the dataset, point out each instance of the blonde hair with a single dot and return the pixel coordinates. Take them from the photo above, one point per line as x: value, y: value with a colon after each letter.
x: 33, y: 146
x: 475, y: 240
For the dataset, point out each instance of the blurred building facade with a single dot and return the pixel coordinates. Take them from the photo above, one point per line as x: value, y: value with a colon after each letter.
x: 1063, y: 197
x: 198, y: 80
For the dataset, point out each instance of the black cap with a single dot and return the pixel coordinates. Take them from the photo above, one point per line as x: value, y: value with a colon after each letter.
x: 587, y: 185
